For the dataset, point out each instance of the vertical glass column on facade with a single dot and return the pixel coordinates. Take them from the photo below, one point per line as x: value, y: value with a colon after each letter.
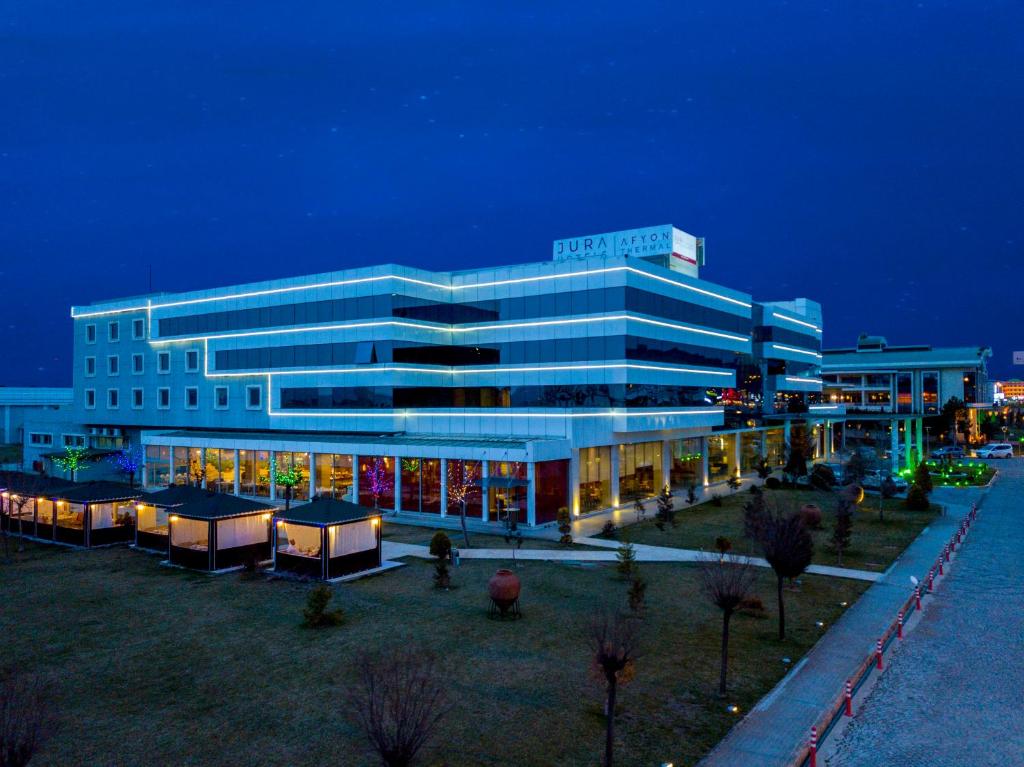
x: 551, y: 488
x: 640, y: 474
x: 687, y: 463
x: 377, y: 481
x: 721, y: 457
x: 430, y: 485
x: 904, y: 393
x: 220, y: 470
x: 158, y: 465
x: 180, y: 464
x: 254, y: 466
x: 410, y: 471
x: 775, y: 447
x: 930, y: 392
x: 507, y: 488
x: 333, y: 476
x: 595, y: 478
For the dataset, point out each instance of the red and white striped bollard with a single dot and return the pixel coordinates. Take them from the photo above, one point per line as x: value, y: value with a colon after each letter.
x: 899, y: 625
x: 849, y: 698
x: 931, y: 580
x: 814, y: 747
x: 878, y: 654
x: 917, y: 597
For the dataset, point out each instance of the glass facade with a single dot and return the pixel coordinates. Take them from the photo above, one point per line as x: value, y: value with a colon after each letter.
x: 464, y: 487
x: 220, y: 470
x: 721, y: 457
x: 687, y: 463
x: 640, y: 474
x: 333, y: 476
x: 254, y: 472
x: 750, y: 451
x: 299, y: 462
x: 905, y: 393
x: 930, y: 392
x: 377, y: 482
x: 775, y: 447
x: 595, y: 478
x: 158, y: 466
x: 551, y: 489
x: 507, y: 490
x: 970, y: 388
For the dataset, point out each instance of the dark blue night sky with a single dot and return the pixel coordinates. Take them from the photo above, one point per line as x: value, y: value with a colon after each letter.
x: 866, y: 154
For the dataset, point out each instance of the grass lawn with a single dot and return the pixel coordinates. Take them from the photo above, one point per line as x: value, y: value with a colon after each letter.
x: 420, y: 536
x: 153, y: 665
x: 874, y: 544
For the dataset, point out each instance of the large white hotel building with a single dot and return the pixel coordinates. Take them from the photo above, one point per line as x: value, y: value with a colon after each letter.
x: 583, y: 381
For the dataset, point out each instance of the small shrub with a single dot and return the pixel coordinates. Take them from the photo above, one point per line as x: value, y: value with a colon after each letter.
x: 722, y: 545
x: 923, y: 477
x: 639, y: 509
x: 917, y: 499
x: 666, y: 513
x: 691, y: 495
x: 564, y: 526
x: 773, y: 483
x: 251, y: 567
x: 316, y: 615
x: 753, y: 606
x: 637, y: 594
x: 440, y: 545
x: 627, y: 559
x: 823, y: 478
x: 735, y: 483
x: 609, y: 530
x: 716, y: 499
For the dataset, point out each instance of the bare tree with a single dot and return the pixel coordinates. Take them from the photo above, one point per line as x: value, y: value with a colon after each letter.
x: 788, y: 547
x: 726, y: 581
x: 462, y: 476
x: 399, y: 699
x: 26, y: 488
x: 614, y: 643
x: 24, y: 718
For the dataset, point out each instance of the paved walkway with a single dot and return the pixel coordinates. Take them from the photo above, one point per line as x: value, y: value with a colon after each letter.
x: 952, y: 693
x: 644, y: 553
x: 777, y: 728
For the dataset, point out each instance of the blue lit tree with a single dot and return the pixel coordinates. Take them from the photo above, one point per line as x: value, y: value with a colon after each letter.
x: 128, y: 461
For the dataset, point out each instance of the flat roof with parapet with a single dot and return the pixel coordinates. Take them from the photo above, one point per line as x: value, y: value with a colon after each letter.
x: 851, y: 360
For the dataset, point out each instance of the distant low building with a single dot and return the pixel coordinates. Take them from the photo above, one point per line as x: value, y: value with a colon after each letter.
x: 1012, y: 390
x: 21, y: 403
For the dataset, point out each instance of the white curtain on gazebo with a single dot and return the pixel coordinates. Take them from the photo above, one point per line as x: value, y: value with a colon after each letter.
x: 298, y: 540
x: 190, y: 534
x: 241, y: 531
x: 353, y: 538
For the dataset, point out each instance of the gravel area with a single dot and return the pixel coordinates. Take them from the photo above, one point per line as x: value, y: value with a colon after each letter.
x: 952, y: 692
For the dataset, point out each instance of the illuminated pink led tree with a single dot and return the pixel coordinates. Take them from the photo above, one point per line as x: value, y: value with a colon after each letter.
x: 380, y: 482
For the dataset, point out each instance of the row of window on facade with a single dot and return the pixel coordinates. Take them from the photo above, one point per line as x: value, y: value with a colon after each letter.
x: 877, y: 391
x: 138, y: 365
x: 190, y: 400
x: 138, y: 326
x: 372, y: 477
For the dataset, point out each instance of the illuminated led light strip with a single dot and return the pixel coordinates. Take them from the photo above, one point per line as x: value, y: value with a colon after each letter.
x: 361, y: 280
x: 823, y: 407
x: 797, y: 379
x: 489, y: 414
x: 452, y: 329
x: 477, y: 371
x: 813, y: 327
x: 793, y: 349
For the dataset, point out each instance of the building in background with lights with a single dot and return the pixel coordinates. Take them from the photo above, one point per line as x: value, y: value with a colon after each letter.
x: 890, y: 392
x: 584, y: 381
x: 1010, y: 391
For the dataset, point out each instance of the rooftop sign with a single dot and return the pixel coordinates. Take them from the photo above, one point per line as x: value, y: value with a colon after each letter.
x: 686, y: 252
x: 1018, y: 358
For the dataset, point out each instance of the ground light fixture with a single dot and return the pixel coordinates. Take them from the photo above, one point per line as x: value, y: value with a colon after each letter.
x: 820, y: 624
x: 733, y: 709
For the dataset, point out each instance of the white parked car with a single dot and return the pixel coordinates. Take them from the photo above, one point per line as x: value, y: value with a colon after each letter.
x: 873, y: 481
x: 995, y: 450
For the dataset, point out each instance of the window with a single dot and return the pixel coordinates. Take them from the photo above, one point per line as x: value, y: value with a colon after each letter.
x: 113, y: 331
x: 90, y: 334
x: 253, y: 397
x: 930, y: 392
x: 137, y: 399
x: 138, y: 329
x: 163, y: 362
x: 73, y: 440
x: 36, y: 438
x: 113, y: 365
x: 192, y: 360
x: 366, y: 353
x: 163, y: 398
x: 113, y: 397
x: 220, y: 398
x: 138, y: 364
x: 90, y: 398
x: 191, y: 397
x: 90, y: 366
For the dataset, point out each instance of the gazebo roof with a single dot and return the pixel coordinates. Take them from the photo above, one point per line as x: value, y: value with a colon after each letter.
x: 94, y: 492
x: 175, y: 495
x: 219, y: 506
x: 325, y: 511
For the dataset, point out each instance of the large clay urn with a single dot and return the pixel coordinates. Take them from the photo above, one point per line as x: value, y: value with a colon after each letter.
x: 503, y: 588
x: 811, y: 515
